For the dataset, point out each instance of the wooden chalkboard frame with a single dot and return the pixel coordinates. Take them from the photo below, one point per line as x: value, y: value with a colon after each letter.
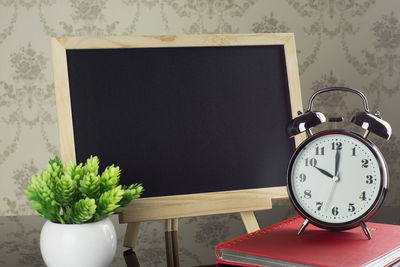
x: 169, y: 207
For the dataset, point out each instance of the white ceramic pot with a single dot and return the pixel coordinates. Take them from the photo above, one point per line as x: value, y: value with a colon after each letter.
x: 78, y: 245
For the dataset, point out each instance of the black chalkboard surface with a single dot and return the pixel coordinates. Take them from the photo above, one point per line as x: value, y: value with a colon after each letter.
x: 184, y: 120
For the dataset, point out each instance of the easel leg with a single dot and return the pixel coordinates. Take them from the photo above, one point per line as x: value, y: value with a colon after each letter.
x: 130, y: 240
x: 131, y: 235
x: 171, y: 242
x: 131, y: 259
x: 175, y: 246
x: 250, y: 221
x: 168, y: 243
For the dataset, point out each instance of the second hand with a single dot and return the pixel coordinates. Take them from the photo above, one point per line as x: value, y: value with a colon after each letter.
x: 335, y: 180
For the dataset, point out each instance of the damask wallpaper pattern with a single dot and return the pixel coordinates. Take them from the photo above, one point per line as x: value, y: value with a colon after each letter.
x: 352, y: 43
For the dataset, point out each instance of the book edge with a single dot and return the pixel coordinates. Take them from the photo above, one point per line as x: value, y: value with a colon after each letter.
x: 226, y: 245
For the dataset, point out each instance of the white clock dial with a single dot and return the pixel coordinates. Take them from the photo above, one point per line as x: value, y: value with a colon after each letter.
x: 336, y: 178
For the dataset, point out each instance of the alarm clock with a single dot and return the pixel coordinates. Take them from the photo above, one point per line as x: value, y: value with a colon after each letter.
x: 337, y: 179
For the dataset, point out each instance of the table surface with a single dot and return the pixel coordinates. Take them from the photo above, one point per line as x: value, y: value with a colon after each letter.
x: 131, y: 260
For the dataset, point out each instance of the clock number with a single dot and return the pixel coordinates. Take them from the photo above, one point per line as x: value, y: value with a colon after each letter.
x: 307, y: 193
x: 335, y: 211
x: 302, y: 177
x: 354, y: 151
x: 312, y: 162
x: 362, y: 196
x: 351, y: 207
x: 319, y: 205
x: 369, y: 179
x: 336, y: 146
x: 364, y: 163
x: 320, y: 151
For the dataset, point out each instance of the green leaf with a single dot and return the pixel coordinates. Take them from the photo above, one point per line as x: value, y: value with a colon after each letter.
x: 81, y: 212
x: 42, y: 197
x: 66, y: 191
x: 74, y: 171
x: 109, y: 178
x: 108, y: 203
x: 130, y: 193
x: 56, y: 162
x: 92, y: 165
x: 54, y: 170
x: 90, y: 186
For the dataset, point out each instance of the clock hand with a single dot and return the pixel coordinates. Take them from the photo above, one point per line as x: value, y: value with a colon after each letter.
x: 324, y: 172
x: 329, y: 200
x: 337, y: 160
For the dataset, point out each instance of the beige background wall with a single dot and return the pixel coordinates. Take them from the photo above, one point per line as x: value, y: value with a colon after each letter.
x: 352, y: 43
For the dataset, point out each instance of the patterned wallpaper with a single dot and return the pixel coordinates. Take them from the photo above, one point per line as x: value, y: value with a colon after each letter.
x: 352, y: 43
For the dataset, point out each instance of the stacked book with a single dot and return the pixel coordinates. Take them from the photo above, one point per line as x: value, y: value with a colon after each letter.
x: 279, y: 245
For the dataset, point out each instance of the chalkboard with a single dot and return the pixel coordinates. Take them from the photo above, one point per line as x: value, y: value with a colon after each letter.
x: 184, y: 120
x: 180, y: 117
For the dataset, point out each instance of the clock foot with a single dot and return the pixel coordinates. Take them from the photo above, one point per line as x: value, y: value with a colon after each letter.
x: 303, y: 227
x: 365, y: 229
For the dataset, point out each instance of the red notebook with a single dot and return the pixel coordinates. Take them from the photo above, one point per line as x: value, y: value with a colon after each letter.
x: 279, y: 245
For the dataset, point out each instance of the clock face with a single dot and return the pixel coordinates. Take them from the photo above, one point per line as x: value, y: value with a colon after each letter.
x: 337, y: 178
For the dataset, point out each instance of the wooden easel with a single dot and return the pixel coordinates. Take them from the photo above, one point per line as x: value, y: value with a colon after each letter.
x: 171, y: 208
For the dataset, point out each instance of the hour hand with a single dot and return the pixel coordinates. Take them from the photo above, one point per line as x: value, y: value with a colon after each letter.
x: 324, y: 172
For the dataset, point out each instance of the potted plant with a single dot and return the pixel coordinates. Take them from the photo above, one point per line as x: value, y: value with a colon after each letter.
x: 77, y: 200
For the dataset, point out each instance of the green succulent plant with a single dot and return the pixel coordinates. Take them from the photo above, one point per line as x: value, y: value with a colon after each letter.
x: 77, y: 194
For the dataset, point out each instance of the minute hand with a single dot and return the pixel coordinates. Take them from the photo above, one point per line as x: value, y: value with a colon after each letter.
x: 324, y: 172
x: 337, y: 160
